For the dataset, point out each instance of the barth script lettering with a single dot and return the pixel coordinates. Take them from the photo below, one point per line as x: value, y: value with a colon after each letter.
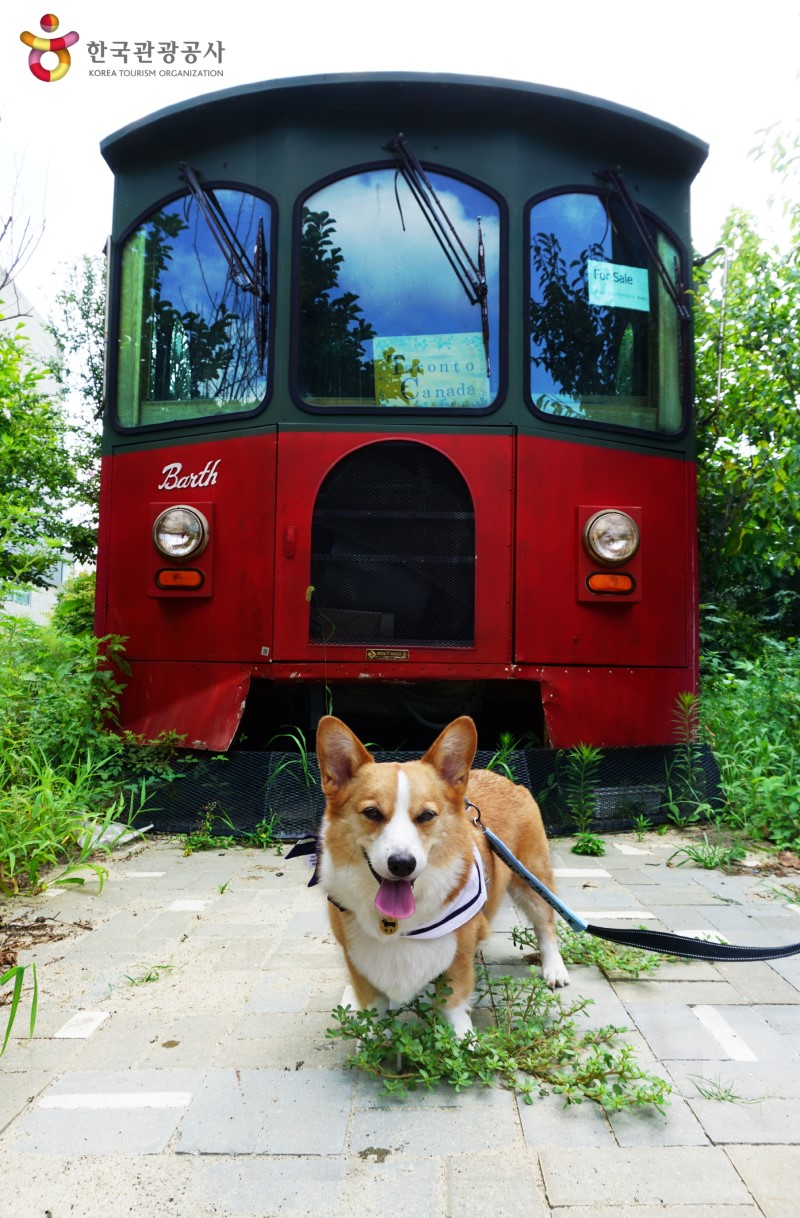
x: 175, y: 481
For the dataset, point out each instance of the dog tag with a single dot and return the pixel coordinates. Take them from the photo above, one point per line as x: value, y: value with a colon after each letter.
x: 388, y: 926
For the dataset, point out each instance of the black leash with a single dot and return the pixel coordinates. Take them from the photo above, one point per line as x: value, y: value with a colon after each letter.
x: 647, y: 940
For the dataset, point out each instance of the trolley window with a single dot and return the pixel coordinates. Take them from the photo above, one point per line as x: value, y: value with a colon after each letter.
x: 604, y: 334
x: 193, y: 337
x: 383, y: 319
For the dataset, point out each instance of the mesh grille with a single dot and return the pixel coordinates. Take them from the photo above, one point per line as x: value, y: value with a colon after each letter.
x: 393, y: 550
x: 248, y: 787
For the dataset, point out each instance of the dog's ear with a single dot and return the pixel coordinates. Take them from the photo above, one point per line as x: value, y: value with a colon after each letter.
x: 453, y: 753
x: 340, y: 754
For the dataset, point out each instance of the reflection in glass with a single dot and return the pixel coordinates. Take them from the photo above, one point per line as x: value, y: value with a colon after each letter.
x: 383, y: 319
x: 188, y: 333
x: 603, y: 331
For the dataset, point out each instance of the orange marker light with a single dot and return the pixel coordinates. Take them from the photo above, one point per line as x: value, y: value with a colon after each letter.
x: 605, y: 582
x: 185, y: 577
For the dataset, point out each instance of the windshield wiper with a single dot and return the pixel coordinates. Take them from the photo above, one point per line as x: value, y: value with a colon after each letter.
x: 250, y: 275
x: 471, y: 275
x: 674, y: 290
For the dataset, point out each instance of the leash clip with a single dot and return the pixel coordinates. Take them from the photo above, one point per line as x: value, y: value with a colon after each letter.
x: 476, y: 820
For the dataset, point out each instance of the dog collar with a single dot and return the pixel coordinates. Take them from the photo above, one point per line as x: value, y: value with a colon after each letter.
x: 470, y: 900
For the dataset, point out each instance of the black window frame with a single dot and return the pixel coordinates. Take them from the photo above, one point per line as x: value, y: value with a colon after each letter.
x: 112, y: 376
x: 385, y: 412
x: 685, y: 327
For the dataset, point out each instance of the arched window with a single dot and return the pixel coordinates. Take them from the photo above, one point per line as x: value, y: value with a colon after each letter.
x: 383, y: 320
x: 605, y: 336
x: 193, y: 328
x: 393, y: 550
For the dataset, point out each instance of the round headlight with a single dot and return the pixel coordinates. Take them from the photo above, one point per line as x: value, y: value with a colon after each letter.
x: 611, y: 537
x: 181, y: 532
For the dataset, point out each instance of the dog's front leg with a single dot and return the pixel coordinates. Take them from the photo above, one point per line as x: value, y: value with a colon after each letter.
x: 543, y: 920
x: 364, y: 992
x: 460, y: 978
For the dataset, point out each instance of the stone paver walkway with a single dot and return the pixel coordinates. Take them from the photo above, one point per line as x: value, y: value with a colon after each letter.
x: 214, y: 1091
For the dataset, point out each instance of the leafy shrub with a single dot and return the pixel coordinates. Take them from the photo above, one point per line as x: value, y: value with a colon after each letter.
x: 74, y: 608
x: 751, y: 713
x: 61, y: 768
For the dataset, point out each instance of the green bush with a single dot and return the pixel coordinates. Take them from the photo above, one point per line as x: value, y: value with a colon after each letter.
x: 751, y: 713
x: 61, y: 768
x: 74, y: 608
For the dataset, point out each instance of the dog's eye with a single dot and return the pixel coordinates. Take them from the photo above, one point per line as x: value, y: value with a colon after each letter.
x: 372, y: 813
x: 425, y: 816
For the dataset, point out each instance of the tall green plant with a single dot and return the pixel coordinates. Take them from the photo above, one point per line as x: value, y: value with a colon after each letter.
x: 578, y: 785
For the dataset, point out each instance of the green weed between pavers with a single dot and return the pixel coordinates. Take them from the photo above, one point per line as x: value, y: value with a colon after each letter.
x: 533, y: 1047
x: 207, y: 836
x: 709, y: 855
x: 723, y: 1093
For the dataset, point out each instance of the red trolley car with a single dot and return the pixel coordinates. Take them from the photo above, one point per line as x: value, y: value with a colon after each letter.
x: 399, y: 413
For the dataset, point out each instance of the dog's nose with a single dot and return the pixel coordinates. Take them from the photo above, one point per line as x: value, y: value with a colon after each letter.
x: 401, y: 865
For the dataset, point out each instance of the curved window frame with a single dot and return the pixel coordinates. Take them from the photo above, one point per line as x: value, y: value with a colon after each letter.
x: 404, y: 412
x: 684, y: 328
x: 114, y: 316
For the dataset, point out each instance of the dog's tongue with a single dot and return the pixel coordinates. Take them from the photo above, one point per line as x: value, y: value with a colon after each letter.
x: 395, y: 899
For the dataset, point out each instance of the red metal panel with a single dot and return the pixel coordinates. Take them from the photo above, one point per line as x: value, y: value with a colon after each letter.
x: 234, y: 478
x: 556, y: 626
x: 202, y: 702
x: 485, y: 461
x: 610, y: 707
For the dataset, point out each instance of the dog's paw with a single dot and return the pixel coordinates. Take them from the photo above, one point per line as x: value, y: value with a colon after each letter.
x: 554, y: 972
x: 459, y: 1018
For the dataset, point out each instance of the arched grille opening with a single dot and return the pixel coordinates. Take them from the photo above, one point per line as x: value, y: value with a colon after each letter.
x: 393, y: 551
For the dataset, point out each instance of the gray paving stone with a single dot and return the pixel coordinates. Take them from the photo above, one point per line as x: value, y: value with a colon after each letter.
x: 758, y: 1033
x: 83, y: 1133
x: 258, y: 1186
x: 673, y: 894
x: 659, y: 1176
x: 276, y: 993
x: 771, y: 1174
x: 784, y: 1019
x: 770, y: 1121
x: 87, y: 1129
x: 751, y: 1081
x: 678, y: 1125
x: 759, y: 982
x: 309, y: 1114
x: 549, y: 1122
x: 379, y: 1182
x: 688, y: 993
x: 101, y: 1186
x: 18, y: 1090
x: 657, y: 1211
x: 227, y: 1112
x: 789, y: 968
x: 281, y: 1040
x: 188, y: 1043
x: 124, y: 1036
x: 672, y: 1031
x: 481, y: 1184
x: 486, y: 1121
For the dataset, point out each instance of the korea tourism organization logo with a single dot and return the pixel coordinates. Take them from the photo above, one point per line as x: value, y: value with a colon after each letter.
x: 53, y: 46
x: 49, y: 59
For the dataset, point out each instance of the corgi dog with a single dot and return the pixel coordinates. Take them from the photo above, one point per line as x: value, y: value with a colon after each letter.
x: 411, y: 882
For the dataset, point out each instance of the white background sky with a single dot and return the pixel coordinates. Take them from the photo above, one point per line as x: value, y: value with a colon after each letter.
x: 719, y: 70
